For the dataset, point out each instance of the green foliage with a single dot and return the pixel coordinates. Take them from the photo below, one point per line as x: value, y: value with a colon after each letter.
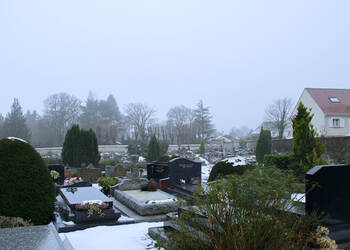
x: 6, y: 222
x: 27, y: 189
x: 107, y: 182
x: 224, y: 168
x: 153, y: 152
x: 94, y: 208
x: 307, y: 148
x: 263, y: 145
x: 280, y: 161
x: 242, y: 143
x: 163, y: 147
x: 283, y: 162
x: 137, y: 149
x: 15, y: 123
x: 244, y: 212
x: 80, y: 147
x: 202, y: 147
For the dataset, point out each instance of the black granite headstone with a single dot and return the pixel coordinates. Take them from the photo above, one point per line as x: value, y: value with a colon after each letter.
x: 327, y: 191
x: 184, y: 169
x: 157, y: 171
x: 60, y: 169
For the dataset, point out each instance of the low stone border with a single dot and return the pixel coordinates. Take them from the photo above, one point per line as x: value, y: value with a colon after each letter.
x: 143, y: 208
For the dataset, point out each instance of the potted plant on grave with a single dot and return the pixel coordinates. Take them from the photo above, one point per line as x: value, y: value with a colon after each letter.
x: 106, y: 183
x: 55, y: 175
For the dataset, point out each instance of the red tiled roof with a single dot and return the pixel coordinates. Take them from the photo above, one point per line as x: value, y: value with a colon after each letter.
x: 321, y: 97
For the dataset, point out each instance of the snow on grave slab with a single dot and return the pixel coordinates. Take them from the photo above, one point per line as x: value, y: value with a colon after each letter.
x: 131, y: 236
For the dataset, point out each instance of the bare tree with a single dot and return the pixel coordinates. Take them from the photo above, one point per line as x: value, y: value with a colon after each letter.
x: 279, y: 113
x: 61, y: 111
x: 140, y: 117
x: 180, y: 117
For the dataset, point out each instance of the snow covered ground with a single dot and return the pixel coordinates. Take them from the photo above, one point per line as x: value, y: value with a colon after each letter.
x: 122, y: 237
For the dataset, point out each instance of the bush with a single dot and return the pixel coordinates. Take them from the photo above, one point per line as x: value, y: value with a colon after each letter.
x: 283, y: 162
x: 263, y: 145
x: 224, y: 168
x: 244, y: 212
x: 280, y: 161
x: 80, y: 147
x: 107, y: 182
x: 27, y: 189
x: 13, y: 222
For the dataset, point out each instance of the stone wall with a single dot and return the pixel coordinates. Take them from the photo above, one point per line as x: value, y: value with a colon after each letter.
x: 337, y: 148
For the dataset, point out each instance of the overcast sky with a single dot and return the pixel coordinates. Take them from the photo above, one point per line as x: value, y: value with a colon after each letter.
x: 237, y: 56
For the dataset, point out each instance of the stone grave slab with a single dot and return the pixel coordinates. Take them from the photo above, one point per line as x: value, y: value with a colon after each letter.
x: 147, y: 203
x: 75, y: 196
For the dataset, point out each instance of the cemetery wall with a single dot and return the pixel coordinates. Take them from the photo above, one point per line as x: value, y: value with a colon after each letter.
x: 337, y: 148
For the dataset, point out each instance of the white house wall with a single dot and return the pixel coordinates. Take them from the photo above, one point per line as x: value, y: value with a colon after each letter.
x: 338, y: 131
x: 318, y: 121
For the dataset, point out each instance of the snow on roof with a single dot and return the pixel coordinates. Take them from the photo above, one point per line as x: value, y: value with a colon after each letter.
x: 16, y: 139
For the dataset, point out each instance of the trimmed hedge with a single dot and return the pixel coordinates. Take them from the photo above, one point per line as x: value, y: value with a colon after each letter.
x: 224, y: 168
x: 27, y: 189
x: 283, y: 162
x: 280, y: 161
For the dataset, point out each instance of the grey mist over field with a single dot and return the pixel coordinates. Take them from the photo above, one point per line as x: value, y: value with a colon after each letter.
x: 236, y: 56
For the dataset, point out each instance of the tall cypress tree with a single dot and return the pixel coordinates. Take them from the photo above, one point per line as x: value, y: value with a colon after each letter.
x: 80, y: 147
x: 15, y: 123
x: 202, y: 147
x: 153, y: 153
x: 263, y: 145
x: 307, y: 148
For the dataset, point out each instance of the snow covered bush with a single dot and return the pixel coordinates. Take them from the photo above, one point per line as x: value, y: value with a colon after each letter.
x: 224, y: 168
x: 27, y: 189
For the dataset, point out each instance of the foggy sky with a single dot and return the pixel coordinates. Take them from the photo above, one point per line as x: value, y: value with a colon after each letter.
x: 237, y: 56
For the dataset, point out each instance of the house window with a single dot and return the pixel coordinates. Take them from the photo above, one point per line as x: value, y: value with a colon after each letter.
x: 336, y: 122
x: 334, y: 99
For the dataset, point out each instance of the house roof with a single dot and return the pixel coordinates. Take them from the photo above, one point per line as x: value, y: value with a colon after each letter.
x: 324, y: 97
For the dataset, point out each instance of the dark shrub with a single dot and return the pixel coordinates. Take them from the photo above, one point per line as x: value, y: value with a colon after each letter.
x: 224, y: 168
x: 27, y: 189
x: 283, y: 162
x: 280, y: 161
x: 152, y: 185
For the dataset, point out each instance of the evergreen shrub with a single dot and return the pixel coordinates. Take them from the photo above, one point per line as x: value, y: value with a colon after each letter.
x: 80, y: 147
x: 224, y: 168
x: 27, y: 189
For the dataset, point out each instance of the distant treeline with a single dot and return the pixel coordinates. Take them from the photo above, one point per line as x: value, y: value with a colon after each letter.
x: 184, y: 125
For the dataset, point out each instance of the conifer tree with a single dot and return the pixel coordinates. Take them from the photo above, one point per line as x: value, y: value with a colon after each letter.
x: 202, y: 147
x: 153, y: 153
x: 263, y: 145
x: 15, y: 123
x: 80, y: 147
x: 307, y: 148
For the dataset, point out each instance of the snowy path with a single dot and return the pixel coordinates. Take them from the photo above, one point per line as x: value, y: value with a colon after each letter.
x: 123, y: 237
